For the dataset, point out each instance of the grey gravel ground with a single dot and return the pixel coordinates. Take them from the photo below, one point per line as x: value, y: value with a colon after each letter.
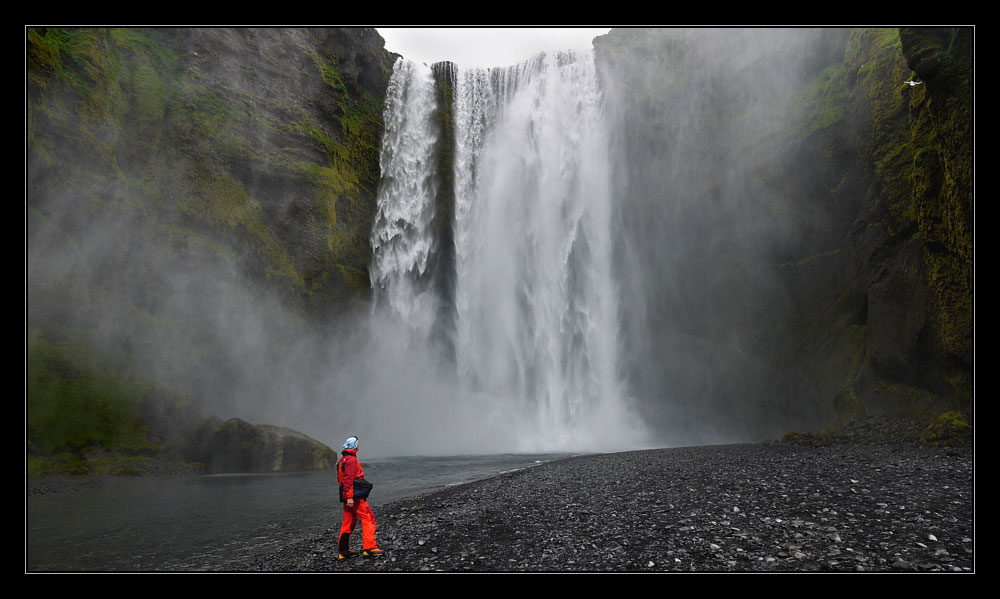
x: 830, y: 504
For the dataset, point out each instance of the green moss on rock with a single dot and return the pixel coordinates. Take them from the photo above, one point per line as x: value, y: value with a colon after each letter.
x: 949, y: 428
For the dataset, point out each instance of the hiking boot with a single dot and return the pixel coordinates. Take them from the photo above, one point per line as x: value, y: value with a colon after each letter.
x: 346, y: 554
x: 372, y: 552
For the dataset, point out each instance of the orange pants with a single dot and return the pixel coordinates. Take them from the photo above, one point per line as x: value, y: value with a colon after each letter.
x: 361, y: 511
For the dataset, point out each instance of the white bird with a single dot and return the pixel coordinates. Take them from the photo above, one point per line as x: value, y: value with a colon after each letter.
x: 912, y: 83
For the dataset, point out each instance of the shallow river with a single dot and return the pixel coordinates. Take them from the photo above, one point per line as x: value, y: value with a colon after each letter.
x: 219, y: 522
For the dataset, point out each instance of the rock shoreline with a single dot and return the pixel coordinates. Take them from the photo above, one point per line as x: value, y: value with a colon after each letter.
x: 771, y: 507
x: 154, y: 467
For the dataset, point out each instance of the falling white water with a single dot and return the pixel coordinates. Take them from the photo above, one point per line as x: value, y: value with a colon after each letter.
x: 536, y: 331
x: 401, y: 237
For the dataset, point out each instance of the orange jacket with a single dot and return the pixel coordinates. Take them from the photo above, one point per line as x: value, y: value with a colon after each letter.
x: 348, y: 469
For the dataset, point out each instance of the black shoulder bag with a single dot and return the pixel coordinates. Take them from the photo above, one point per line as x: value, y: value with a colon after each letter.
x: 362, y: 488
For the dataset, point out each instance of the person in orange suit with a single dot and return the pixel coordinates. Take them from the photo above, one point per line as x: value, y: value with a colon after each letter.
x: 355, y: 508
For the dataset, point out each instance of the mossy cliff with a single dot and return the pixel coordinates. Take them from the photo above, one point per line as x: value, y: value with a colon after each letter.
x: 257, y: 145
x: 832, y: 275
x: 912, y: 240
x: 908, y: 251
x: 186, y: 184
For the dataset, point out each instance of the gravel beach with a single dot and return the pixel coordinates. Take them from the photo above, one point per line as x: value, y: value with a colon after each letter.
x: 836, y: 505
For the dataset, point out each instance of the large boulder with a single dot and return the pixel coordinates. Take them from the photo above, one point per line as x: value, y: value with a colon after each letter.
x: 238, y: 446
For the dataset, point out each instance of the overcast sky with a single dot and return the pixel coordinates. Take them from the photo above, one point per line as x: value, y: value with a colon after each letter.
x: 484, y: 47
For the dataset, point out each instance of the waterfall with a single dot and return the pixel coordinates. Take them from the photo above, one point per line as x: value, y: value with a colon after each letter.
x: 401, y: 237
x: 535, y: 313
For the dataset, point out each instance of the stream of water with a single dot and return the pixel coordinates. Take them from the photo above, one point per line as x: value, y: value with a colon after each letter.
x: 219, y: 523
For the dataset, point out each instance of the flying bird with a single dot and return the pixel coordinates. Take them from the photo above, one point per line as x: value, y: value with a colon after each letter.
x: 912, y: 83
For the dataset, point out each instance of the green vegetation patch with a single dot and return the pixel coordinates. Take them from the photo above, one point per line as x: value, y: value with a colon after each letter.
x: 94, y: 463
x: 73, y: 405
x: 949, y: 428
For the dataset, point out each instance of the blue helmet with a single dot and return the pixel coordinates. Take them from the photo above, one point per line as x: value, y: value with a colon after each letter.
x: 351, y: 443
